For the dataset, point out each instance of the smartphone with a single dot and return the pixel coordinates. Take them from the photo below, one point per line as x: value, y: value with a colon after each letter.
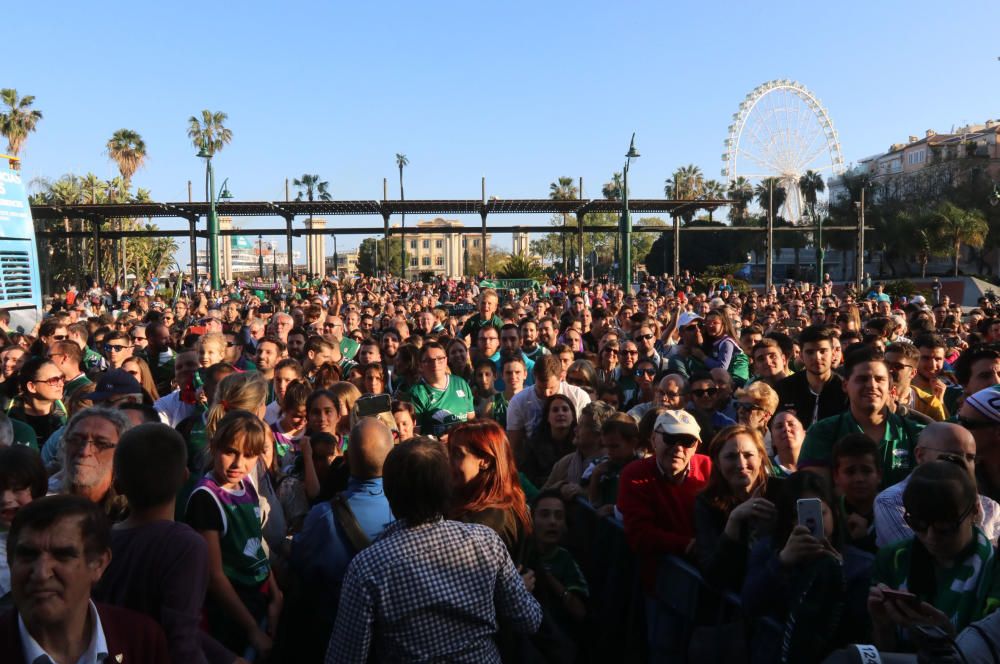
x: 901, y: 596
x: 373, y: 405
x: 811, y: 516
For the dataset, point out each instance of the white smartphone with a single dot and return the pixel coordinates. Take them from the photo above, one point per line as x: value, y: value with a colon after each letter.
x: 810, y: 512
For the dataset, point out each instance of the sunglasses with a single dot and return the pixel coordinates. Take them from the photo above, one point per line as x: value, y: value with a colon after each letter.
x: 943, y: 528
x: 708, y: 391
x: 55, y: 381
x: 59, y: 337
x: 747, y: 406
x: 678, y: 440
x: 645, y: 337
x: 114, y: 348
x: 645, y: 372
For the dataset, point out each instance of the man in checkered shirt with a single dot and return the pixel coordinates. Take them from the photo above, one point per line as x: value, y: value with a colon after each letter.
x: 428, y: 589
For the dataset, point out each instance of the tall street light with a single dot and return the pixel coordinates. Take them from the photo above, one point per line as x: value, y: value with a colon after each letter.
x: 213, y: 218
x: 626, y: 223
x: 260, y: 256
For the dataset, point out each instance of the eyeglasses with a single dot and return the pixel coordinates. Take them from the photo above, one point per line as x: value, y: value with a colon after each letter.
x: 55, y: 381
x: 138, y: 339
x: 898, y: 366
x: 434, y: 360
x: 680, y: 440
x: 972, y: 425
x: 230, y: 344
x: 708, y: 391
x: 944, y: 528
x: 645, y: 372
x: 740, y: 405
x: 645, y: 337
x: 79, y: 442
x: 114, y: 348
x: 948, y: 455
x: 628, y: 352
x: 59, y: 337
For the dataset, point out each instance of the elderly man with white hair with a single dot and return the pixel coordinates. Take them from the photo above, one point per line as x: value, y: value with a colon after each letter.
x: 88, y: 453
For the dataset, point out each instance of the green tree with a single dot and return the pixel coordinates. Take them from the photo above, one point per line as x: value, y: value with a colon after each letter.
x: 686, y: 184
x: 811, y: 184
x: 17, y: 120
x: 521, y: 267
x: 210, y: 132
x: 371, y: 255
x: 563, y: 189
x: 612, y: 191
x: 741, y: 192
x: 698, y: 249
x: 713, y: 189
x: 401, y: 163
x: 954, y: 226
x: 496, y: 258
x: 127, y: 149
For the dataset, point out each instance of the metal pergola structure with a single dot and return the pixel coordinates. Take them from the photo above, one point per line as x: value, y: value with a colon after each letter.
x: 98, y: 215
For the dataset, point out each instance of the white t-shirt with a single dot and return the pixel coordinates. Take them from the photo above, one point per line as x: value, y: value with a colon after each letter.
x: 525, y: 410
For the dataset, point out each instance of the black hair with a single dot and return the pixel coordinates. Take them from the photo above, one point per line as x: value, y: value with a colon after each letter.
x: 815, y: 333
x: 963, y: 366
x: 863, y: 355
x: 417, y: 480
x: 805, y: 484
x: 150, y: 464
x: 855, y: 445
x: 548, y: 493
x: 46, y: 511
x: 21, y: 468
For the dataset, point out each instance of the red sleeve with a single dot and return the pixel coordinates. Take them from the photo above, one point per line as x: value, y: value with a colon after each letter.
x: 638, y: 494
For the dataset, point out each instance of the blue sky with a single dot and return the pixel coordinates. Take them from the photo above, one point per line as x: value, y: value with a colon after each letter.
x: 519, y: 92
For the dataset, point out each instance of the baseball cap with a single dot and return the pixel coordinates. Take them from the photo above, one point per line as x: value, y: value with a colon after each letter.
x: 114, y: 383
x: 687, y: 318
x: 987, y: 403
x: 678, y: 423
x: 918, y: 299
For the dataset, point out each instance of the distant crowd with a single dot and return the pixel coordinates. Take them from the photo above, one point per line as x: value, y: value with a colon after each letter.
x: 372, y: 469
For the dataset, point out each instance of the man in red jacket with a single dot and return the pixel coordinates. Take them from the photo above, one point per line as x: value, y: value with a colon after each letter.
x: 58, y: 547
x: 656, y: 495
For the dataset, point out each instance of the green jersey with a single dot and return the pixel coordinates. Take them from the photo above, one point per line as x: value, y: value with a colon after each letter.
x: 439, y: 410
x: 895, y: 448
x: 243, y: 558
x: 349, y: 348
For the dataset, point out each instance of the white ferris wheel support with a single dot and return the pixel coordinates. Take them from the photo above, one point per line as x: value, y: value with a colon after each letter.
x: 782, y: 130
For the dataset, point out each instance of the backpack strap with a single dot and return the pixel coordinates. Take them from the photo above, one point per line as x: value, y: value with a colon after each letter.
x: 344, y: 515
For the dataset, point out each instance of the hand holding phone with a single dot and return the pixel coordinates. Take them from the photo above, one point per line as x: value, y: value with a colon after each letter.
x: 810, y: 511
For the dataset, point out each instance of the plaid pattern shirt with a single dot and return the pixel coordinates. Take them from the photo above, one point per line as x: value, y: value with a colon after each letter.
x: 433, y: 592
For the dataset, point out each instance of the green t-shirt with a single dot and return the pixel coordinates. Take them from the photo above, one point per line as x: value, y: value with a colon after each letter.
x: 439, y: 410
x: 896, y: 447
x: 477, y: 322
x: 24, y: 434
x: 349, y: 348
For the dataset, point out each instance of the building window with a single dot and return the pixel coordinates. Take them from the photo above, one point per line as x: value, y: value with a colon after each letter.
x: 426, y: 244
x: 413, y: 261
x: 439, y: 261
x: 438, y: 244
x: 916, y: 157
x: 413, y: 244
x: 475, y: 243
x: 426, y: 261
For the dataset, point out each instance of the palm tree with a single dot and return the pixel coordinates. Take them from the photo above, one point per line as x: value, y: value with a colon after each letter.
x: 687, y: 184
x: 763, y: 194
x: 18, y: 120
x: 955, y: 227
x: 741, y: 192
x: 312, y: 188
x: 713, y: 189
x: 127, y: 149
x: 563, y: 190
x: 210, y: 133
x: 401, y: 162
x: 811, y: 184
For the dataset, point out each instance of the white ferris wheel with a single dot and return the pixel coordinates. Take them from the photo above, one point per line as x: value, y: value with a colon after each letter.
x: 782, y: 130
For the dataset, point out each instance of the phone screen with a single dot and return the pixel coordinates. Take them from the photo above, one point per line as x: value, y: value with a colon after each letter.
x: 810, y: 512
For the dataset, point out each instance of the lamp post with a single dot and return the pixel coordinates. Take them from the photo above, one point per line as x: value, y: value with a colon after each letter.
x: 260, y: 256
x: 213, y: 218
x: 274, y: 262
x: 626, y: 223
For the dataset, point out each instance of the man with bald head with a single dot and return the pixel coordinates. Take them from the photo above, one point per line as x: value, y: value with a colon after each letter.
x: 335, y: 531
x: 940, y: 441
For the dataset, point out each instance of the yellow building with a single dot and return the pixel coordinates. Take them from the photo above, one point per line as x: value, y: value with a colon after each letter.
x: 442, y: 254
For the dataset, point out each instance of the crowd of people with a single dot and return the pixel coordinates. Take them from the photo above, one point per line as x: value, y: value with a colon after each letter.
x: 369, y: 469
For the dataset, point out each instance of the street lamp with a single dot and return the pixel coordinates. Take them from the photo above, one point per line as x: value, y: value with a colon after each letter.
x: 626, y: 222
x: 260, y: 256
x: 213, y: 218
x: 274, y: 262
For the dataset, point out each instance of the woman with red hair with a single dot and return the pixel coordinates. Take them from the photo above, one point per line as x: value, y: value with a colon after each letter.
x: 487, y: 489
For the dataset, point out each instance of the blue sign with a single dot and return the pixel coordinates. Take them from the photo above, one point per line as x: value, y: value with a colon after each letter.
x: 15, y: 214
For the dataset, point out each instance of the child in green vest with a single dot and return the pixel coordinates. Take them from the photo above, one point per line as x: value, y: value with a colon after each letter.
x: 224, y: 508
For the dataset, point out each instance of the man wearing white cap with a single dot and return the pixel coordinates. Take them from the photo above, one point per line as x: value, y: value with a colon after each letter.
x: 656, y: 494
x: 980, y: 414
x: 682, y: 361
